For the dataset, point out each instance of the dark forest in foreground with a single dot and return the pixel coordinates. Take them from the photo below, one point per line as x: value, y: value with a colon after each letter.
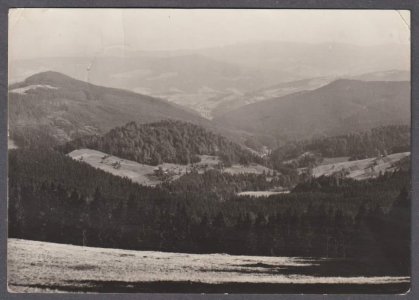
x: 54, y: 198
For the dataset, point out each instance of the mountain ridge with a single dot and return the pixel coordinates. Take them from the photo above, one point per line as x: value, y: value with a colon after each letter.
x: 344, y: 105
x: 58, y: 107
x: 203, y: 79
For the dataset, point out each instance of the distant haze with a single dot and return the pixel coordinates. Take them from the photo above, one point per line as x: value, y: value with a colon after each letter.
x: 35, y: 33
x: 210, y: 60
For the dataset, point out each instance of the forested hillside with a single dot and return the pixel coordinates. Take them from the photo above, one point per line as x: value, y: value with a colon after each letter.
x: 51, y: 108
x: 358, y: 145
x: 340, y: 107
x: 54, y: 198
x: 164, y: 141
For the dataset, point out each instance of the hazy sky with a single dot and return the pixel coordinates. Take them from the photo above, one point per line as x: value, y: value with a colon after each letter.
x: 67, y: 32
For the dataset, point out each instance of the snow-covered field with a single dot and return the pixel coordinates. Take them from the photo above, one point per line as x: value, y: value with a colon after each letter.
x: 45, y: 267
x: 361, y: 169
x: 144, y: 174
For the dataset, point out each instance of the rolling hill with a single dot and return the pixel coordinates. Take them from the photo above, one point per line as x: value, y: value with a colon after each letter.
x: 278, y: 90
x: 340, y: 107
x: 376, y: 142
x: 164, y: 141
x: 56, y: 108
x: 233, y: 101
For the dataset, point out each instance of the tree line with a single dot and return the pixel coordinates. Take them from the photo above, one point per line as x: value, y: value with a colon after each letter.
x: 54, y: 198
x: 377, y: 141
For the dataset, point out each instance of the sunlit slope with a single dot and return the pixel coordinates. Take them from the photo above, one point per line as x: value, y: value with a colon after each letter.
x: 362, y: 169
x: 152, y: 175
x: 60, y: 267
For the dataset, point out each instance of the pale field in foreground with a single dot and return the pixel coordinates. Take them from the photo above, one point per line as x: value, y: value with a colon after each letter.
x: 32, y: 263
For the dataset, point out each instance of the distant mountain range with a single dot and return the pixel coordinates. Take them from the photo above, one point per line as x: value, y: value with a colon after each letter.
x: 55, y: 108
x: 212, y: 80
x: 307, y: 60
x: 340, y: 107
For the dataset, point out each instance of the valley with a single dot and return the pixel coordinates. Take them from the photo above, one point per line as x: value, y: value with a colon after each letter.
x: 209, y: 151
x: 213, y: 81
x: 56, y: 109
x: 153, y: 175
x: 173, y: 190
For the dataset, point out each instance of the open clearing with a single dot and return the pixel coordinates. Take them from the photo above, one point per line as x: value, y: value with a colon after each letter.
x: 136, y: 172
x: 49, y: 267
x: 334, y: 160
x: 145, y: 174
x: 251, y: 168
x: 361, y: 169
x: 258, y: 194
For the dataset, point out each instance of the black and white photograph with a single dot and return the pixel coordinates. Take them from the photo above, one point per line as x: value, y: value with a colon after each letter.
x: 239, y: 151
